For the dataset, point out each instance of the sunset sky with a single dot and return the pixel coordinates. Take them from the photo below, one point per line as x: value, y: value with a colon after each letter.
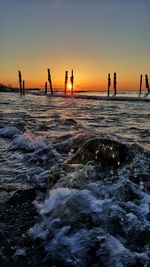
x: 93, y: 37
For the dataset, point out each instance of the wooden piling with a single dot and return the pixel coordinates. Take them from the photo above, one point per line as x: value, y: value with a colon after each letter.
x: 50, y: 81
x: 72, y: 82
x: 66, y: 81
x: 115, y: 84
x: 23, y: 87
x: 141, y: 79
x: 20, y: 81
x: 109, y: 84
x: 46, y: 88
x: 147, y: 83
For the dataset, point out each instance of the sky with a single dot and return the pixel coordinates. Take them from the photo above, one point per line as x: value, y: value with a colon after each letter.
x: 93, y: 37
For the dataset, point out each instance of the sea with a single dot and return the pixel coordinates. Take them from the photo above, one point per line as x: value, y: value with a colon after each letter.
x: 74, y: 181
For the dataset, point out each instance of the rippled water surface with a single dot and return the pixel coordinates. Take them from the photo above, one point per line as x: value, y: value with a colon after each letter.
x: 128, y: 120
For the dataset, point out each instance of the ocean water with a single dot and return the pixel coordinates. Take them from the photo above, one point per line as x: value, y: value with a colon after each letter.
x: 89, y: 163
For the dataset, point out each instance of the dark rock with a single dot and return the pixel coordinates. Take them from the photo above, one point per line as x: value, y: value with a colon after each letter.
x: 69, y: 143
x: 102, y: 152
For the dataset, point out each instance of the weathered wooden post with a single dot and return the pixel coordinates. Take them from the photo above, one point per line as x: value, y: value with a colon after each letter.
x: 72, y: 81
x: 147, y: 83
x: 66, y: 81
x: 50, y: 81
x: 46, y: 88
x: 109, y: 84
x: 20, y: 81
x: 23, y: 87
x: 115, y: 84
x: 141, y: 79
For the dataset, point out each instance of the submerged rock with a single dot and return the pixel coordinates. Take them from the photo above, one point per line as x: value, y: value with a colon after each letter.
x: 102, y: 152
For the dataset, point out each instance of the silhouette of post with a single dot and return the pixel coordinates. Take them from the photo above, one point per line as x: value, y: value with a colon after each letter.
x: 141, y: 79
x: 66, y: 80
x: 20, y: 81
x: 72, y: 81
x: 50, y: 81
x: 147, y: 83
x: 115, y: 83
x: 46, y: 88
x: 23, y: 87
x: 109, y: 84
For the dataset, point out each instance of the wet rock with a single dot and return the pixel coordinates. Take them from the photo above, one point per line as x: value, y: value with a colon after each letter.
x: 69, y: 143
x: 102, y: 152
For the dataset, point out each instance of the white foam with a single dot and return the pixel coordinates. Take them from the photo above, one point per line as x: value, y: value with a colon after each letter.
x: 73, y: 220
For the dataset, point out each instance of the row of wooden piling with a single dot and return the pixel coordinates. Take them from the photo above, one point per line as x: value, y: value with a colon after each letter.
x: 22, y: 83
x: 115, y: 84
x: 66, y: 82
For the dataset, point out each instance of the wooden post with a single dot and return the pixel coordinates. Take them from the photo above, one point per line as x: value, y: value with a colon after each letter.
x: 115, y: 84
x: 23, y: 88
x: 72, y: 81
x: 109, y: 84
x: 66, y: 80
x: 147, y: 83
x: 50, y: 81
x: 141, y: 78
x: 46, y: 88
x: 20, y: 81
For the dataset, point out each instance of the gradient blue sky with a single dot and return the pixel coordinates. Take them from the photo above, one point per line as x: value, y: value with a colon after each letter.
x: 93, y: 37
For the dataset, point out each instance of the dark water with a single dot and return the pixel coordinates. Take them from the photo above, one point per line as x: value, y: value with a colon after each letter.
x: 84, y: 166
